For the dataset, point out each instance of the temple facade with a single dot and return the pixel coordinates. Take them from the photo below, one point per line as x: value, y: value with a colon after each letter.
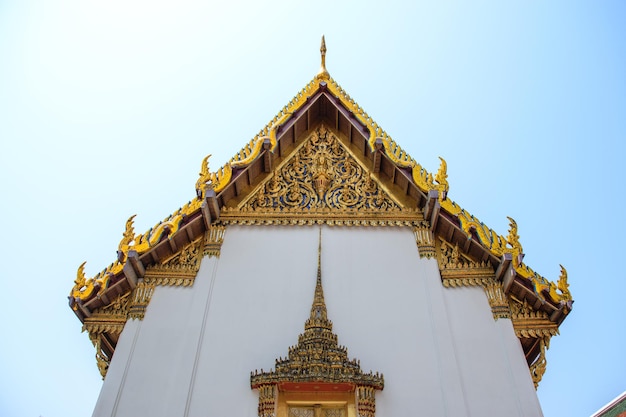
x: 322, y: 272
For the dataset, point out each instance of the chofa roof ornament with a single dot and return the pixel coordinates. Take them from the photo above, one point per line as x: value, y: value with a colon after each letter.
x: 323, y: 72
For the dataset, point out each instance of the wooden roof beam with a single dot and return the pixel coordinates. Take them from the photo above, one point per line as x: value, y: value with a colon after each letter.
x: 268, y: 156
x: 350, y: 117
x: 377, y: 156
x: 467, y: 243
x: 189, y: 232
x: 432, y: 209
x: 173, y: 245
x: 210, y: 209
x: 133, y: 268
x: 505, y: 272
x: 104, y: 297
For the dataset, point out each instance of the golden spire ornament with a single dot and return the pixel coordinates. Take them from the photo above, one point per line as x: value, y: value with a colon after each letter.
x: 323, y: 73
x: 317, y: 358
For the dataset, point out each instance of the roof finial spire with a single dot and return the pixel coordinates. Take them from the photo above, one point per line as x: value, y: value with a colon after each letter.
x: 318, y: 309
x: 323, y: 73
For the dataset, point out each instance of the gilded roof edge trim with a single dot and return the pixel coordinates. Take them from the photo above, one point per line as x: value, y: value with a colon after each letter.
x: 425, y: 181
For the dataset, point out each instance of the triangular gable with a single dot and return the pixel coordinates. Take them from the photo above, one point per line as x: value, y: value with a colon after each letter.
x: 321, y: 180
x: 384, y: 184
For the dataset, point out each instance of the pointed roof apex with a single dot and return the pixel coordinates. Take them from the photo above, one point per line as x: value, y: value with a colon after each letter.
x: 318, y: 309
x: 323, y: 72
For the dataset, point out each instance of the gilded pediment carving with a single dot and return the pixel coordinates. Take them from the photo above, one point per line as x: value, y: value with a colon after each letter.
x: 322, y: 175
x: 322, y: 182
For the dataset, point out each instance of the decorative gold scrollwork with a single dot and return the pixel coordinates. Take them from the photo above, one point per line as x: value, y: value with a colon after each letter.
x: 321, y: 176
x: 424, y: 238
x: 127, y: 238
x: 102, y: 359
x: 267, y: 401
x: 141, y: 296
x: 83, y: 287
x: 108, y: 319
x: 538, y: 367
x: 458, y: 270
x: 442, y: 180
x: 213, y: 239
x: 513, y: 240
x: 208, y: 180
x: 528, y: 323
x: 497, y: 300
x: 180, y: 269
x: 366, y: 402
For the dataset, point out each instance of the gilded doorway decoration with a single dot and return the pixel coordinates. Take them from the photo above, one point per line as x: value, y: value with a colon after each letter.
x: 317, y: 378
x: 317, y: 411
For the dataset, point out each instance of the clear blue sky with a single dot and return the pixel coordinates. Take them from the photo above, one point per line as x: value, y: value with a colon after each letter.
x: 108, y: 107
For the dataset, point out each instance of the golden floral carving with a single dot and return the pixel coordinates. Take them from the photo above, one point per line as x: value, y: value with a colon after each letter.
x: 180, y: 269
x: 267, y: 400
x: 425, y: 240
x: 458, y: 270
x: 322, y: 175
x: 528, y: 323
x: 141, y: 296
x: 108, y: 319
x: 538, y: 367
x: 213, y: 239
x: 296, y: 217
x: 366, y: 401
x: 497, y: 300
x: 102, y: 359
x: 321, y: 184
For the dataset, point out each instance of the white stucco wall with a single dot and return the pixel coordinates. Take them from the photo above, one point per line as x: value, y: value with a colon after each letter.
x: 440, y: 350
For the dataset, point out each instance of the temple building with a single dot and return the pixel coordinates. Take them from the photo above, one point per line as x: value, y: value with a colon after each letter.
x: 615, y: 408
x: 321, y: 272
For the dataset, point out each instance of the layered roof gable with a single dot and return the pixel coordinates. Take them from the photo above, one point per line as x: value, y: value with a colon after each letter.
x: 322, y: 158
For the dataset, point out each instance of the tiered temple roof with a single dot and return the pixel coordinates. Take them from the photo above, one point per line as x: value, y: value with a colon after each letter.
x: 423, y: 199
